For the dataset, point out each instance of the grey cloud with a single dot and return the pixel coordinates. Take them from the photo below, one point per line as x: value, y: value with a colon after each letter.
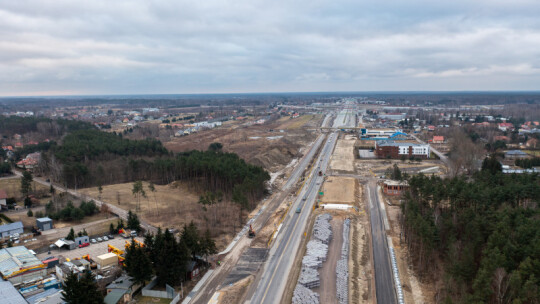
x: 100, y: 47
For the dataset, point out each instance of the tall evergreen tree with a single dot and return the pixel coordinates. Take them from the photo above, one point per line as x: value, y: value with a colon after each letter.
x: 71, y: 235
x: 83, y: 290
x: 138, y: 264
x: 133, y: 221
x: 26, y: 183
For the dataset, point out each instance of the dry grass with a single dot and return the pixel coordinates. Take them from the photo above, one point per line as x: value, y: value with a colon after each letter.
x: 288, y: 123
x: 12, y: 186
x: 173, y: 205
x: 339, y: 190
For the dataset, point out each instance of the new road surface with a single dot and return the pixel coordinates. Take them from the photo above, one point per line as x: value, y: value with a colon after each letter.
x: 214, y: 283
x: 384, y: 281
x: 271, y: 284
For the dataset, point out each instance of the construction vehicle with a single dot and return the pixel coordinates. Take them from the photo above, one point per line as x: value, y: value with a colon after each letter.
x: 128, y: 243
x: 251, y: 232
x: 118, y: 252
x: 125, y: 233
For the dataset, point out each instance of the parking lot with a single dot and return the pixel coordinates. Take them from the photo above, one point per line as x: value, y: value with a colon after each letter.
x: 93, y: 249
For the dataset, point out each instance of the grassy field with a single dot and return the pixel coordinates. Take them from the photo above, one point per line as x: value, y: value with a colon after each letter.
x: 12, y: 186
x: 296, y: 123
x: 172, y: 205
x: 532, y: 152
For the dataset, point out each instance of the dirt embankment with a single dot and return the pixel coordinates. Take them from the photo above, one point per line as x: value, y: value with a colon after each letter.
x: 271, y: 146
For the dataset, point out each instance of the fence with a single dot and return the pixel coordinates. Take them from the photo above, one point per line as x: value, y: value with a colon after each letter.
x: 148, y: 292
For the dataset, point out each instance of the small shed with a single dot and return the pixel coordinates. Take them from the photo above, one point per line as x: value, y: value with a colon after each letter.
x: 44, y: 223
x: 81, y: 240
x: 66, y: 243
x: 3, y: 199
x: 10, y: 229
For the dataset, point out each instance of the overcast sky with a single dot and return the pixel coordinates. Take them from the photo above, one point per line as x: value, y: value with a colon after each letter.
x: 65, y: 47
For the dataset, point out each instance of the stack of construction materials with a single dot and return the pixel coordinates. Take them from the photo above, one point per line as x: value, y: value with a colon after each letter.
x: 303, y: 295
x: 322, y: 230
x: 309, y: 277
x: 342, y: 268
x: 397, y: 281
x: 316, y: 253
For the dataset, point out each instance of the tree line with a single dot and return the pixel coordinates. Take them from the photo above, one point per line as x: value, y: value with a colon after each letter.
x: 166, y: 256
x: 484, y: 229
x: 528, y: 163
x: 81, y: 159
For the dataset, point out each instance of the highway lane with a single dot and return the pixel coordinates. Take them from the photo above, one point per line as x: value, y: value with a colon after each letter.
x: 214, y: 282
x: 384, y: 280
x: 271, y: 285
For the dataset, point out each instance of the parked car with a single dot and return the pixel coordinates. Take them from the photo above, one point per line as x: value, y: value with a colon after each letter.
x: 105, y: 238
x: 133, y: 233
x: 84, y: 245
x: 93, y: 241
x: 110, y: 236
x: 99, y: 239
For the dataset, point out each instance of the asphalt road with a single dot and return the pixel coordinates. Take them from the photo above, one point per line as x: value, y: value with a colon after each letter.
x: 271, y: 283
x: 204, y: 294
x: 384, y: 281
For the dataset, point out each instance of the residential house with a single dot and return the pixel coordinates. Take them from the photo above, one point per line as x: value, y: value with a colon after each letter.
x: 532, y: 143
x: 506, y: 126
x: 121, y: 290
x: 501, y: 138
x: 438, y: 140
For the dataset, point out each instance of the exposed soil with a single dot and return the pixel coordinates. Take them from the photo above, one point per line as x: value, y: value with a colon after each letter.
x: 263, y: 145
x: 235, y: 293
x: 360, y: 268
x: 343, y: 156
x: 339, y: 189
